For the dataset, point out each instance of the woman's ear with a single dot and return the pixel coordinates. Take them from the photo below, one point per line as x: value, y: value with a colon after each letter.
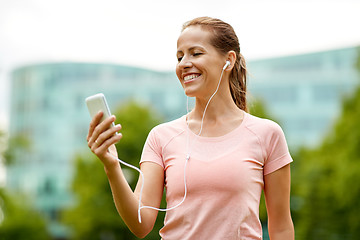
x: 231, y: 57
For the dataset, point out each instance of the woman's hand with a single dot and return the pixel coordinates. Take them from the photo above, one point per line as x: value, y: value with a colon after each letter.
x: 101, y: 139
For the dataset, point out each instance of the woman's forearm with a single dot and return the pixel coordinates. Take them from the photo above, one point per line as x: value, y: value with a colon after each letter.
x: 285, y: 232
x: 127, y: 202
x: 284, y: 235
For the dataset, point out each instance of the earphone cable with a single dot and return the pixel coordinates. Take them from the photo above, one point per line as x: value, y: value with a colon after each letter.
x: 186, y: 159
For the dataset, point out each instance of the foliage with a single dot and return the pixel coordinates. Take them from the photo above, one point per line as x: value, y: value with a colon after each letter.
x: 20, y: 143
x: 17, y: 218
x: 19, y: 221
x: 357, y: 62
x: 94, y: 216
x: 2, y: 142
x: 328, y: 179
x: 257, y: 107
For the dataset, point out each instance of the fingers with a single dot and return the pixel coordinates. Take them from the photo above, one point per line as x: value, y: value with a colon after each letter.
x: 97, y: 127
x: 103, y: 127
x: 102, y: 135
x: 107, y: 134
x: 102, y: 148
x: 94, y: 122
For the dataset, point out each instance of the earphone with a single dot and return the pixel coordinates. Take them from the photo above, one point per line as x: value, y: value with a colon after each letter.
x: 187, y: 155
x: 226, y: 64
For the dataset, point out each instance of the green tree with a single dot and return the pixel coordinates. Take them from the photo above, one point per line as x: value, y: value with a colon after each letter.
x: 257, y: 107
x: 18, y: 220
x: 19, y: 143
x: 2, y: 142
x: 94, y: 215
x: 327, y: 180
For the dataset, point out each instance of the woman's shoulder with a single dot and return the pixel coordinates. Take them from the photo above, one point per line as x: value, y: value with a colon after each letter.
x: 269, y: 134
x: 261, y: 126
x: 171, y: 127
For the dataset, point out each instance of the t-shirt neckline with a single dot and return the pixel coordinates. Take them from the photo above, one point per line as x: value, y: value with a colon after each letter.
x: 218, y: 138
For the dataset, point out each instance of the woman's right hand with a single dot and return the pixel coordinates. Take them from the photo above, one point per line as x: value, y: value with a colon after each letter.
x: 101, y: 139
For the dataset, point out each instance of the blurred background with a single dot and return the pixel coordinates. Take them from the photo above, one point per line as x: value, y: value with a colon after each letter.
x: 304, y: 71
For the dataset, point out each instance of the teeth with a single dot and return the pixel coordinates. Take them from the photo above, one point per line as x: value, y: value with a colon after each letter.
x: 189, y: 77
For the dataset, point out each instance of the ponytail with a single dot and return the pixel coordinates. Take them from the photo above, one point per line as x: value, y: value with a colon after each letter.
x: 237, y: 82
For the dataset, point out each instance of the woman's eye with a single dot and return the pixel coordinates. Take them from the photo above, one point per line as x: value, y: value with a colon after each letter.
x: 193, y: 54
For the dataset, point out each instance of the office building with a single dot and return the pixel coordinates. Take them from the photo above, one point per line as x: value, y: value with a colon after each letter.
x: 304, y: 92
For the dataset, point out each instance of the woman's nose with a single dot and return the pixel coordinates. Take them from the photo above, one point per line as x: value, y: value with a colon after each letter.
x: 185, y: 63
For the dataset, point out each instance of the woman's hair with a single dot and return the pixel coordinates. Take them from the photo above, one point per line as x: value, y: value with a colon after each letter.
x: 224, y: 40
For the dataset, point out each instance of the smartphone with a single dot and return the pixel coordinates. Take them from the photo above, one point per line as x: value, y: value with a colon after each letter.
x: 96, y: 103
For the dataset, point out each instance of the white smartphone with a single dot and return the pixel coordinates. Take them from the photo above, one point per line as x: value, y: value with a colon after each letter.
x: 96, y: 103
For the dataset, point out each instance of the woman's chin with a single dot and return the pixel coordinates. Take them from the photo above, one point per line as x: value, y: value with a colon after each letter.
x: 190, y: 92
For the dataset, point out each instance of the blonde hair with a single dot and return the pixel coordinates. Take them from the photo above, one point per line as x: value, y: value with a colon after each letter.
x: 224, y: 40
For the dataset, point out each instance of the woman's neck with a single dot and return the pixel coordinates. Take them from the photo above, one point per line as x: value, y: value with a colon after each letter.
x: 221, y: 116
x: 220, y: 106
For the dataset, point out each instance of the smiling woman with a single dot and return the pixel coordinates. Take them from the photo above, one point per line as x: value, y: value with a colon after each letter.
x: 198, y: 63
x: 220, y: 38
x: 215, y: 161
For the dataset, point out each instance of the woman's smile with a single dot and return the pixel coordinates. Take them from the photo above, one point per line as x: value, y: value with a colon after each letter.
x: 191, y: 77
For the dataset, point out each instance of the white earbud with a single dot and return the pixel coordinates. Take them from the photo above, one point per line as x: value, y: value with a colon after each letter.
x: 226, y: 64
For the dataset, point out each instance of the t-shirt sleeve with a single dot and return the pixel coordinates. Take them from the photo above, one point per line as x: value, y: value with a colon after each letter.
x: 276, y: 149
x: 152, y: 151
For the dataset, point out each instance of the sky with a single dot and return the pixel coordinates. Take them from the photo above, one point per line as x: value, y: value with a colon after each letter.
x: 143, y: 33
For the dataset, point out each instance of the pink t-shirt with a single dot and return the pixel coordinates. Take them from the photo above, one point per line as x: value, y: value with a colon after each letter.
x: 224, y: 177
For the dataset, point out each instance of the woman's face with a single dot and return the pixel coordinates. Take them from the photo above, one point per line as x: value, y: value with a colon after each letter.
x: 199, y: 63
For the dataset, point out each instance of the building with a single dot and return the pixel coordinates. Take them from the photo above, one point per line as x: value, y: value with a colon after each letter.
x: 303, y: 92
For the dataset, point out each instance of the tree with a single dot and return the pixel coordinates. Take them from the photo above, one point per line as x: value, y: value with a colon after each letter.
x: 258, y: 108
x: 19, y: 221
x: 94, y: 215
x: 2, y: 143
x: 19, y: 143
x: 327, y: 180
x: 18, y: 218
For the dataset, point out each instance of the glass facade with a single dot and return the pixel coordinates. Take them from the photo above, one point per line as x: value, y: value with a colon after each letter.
x: 47, y: 106
x: 304, y: 92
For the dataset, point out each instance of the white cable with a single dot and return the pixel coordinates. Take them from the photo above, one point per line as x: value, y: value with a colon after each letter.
x: 217, y: 88
x: 186, y: 159
x: 142, y: 185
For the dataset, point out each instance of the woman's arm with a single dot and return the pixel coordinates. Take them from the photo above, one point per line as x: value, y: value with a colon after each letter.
x: 277, y: 197
x: 101, y: 139
x: 126, y: 201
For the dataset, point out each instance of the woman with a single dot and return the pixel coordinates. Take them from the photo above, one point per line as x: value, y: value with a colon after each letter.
x: 215, y: 161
